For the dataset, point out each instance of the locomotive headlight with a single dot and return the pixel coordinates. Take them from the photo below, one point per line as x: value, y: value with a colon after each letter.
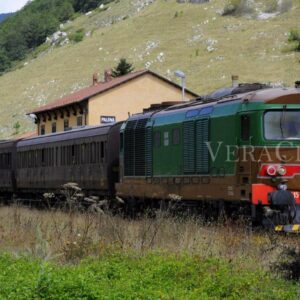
x: 281, y: 170
x: 271, y: 170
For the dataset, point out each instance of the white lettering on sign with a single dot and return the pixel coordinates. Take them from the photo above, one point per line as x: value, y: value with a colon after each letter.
x: 107, y: 119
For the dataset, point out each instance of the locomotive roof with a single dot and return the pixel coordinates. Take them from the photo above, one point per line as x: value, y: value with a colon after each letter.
x: 274, y: 96
x: 265, y: 95
x: 84, y: 132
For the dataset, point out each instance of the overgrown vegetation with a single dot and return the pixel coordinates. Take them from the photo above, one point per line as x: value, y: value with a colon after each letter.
x: 116, y: 275
x: 28, y: 28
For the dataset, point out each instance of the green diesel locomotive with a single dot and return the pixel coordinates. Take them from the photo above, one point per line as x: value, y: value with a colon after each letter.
x: 237, y: 147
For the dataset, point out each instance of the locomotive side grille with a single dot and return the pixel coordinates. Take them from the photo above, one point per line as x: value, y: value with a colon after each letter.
x: 202, y: 156
x: 129, y: 148
x: 140, y: 148
x: 149, y: 155
x: 189, y: 147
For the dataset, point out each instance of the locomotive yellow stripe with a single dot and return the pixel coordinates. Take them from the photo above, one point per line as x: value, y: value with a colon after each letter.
x: 288, y: 228
x: 296, y: 227
x: 279, y: 228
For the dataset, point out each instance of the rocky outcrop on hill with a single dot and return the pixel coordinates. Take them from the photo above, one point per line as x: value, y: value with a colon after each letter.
x: 256, y: 9
x: 193, y: 1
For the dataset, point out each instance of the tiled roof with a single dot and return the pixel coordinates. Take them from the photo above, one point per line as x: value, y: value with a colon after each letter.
x: 98, y: 88
x: 25, y: 135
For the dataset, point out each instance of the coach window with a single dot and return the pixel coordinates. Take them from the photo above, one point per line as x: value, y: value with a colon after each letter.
x: 42, y: 129
x: 93, y: 152
x: 83, y: 148
x: 176, y: 136
x: 66, y: 124
x: 102, y: 152
x: 157, y: 139
x: 36, y: 158
x: 245, y: 127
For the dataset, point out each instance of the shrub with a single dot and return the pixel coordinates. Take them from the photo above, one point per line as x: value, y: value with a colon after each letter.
x: 77, y: 36
x: 288, y: 264
x: 294, y: 38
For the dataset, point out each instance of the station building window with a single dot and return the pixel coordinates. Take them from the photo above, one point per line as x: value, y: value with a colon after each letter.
x: 42, y: 129
x: 66, y: 124
x: 53, y: 127
x: 79, y: 121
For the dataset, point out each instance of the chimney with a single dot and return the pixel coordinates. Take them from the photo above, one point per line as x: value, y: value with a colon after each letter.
x: 95, y: 78
x: 107, y: 76
x: 297, y: 84
x: 235, y: 81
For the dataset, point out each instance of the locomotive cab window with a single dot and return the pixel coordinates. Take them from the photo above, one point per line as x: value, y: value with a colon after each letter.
x: 245, y: 127
x: 282, y: 125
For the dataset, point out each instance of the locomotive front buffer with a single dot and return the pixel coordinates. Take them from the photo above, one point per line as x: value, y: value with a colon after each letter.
x: 279, y: 205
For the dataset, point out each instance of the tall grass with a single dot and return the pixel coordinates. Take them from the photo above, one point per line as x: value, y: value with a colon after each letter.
x: 71, y: 236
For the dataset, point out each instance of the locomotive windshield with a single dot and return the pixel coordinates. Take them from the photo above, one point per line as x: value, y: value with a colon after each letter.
x: 282, y: 125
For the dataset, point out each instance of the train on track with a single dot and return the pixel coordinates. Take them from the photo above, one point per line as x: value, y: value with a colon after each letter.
x: 237, y: 147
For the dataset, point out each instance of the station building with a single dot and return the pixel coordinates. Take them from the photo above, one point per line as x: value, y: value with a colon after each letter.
x: 108, y: 101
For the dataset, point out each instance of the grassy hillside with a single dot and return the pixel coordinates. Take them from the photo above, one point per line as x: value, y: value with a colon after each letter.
x: 164, y: 36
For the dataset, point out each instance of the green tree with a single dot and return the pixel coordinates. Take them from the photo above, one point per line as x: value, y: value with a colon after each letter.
x: 15, y: 45
x: 17, y: 127
x: 4, y: 61
x: 122, y: 68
